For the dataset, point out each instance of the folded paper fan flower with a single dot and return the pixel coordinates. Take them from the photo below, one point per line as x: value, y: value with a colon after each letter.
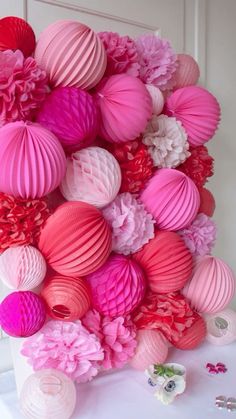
x: 197, y: 110
x: 125, y: 106
x: 193, y: 336
x: 16, y: 33
x: 187, y: 73
x: 199, y: 166
x: 72, y: 54
x: 152, y: 348
x: 207, y: 202
x: 172, y: 199
x: 82, y: 245
x: 157, y: 99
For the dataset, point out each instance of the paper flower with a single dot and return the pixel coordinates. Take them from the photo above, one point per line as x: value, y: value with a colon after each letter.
x: 132, y: 226
x: 22, y: 87
x: 199, y: 166
x: 116, y: 336
x: 200, y: 235
x: 122, y: 54
x: 167, y: 141
x: 170, y: 389
x: 158, y: 61
x: 65, y: 346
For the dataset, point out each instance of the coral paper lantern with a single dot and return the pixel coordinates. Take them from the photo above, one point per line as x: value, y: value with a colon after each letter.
x: 187, y: 73
x: 193, y: 336
x: 166, y: 261
x: 16, y: 33
x: 207, y: 202
x: 76, y: 239
x: 152, y: 348
x: 72, y: 54
x: 32, y: 160
x: 172, y: 199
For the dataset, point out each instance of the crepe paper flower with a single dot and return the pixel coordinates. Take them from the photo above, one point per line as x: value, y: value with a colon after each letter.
x: 171, y: 388
x: 23, y: 86
x: 21, y: 220
x: 132, y: 226
x: 158, y: 61
x: 167, y: 142
x: 117, y: 338
x: 199, y: 166
x: 65, y: 346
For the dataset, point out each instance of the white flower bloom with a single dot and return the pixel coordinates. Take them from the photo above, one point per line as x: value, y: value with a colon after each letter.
x: 170, y: 389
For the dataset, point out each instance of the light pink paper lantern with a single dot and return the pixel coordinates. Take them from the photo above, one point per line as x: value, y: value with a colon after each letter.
x: 152, y: 348
x: 157, y: 98
x: 187, y: 73
x: 93, y: 175
x: 221, y: 327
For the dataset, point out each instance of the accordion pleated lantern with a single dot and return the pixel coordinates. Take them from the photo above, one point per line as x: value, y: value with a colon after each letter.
x: 157, y: 98
x: 172, y: 198
x: 22, y: 314
x: 221, y: 327
x: 93, y: 175
x: 166, y: 261
x: 152, y: 348
x: 32, y: 160
x: 76, y: 127
x: 48, y: 394
x: 117, y: 287
x: 187, y: 73
x: 197, y: 110
x: 207, y: 202
x: 72, y: 54
x: 212, y: 285
x: 66, y: 298
x: 122, y: 118
x: 22, y: 267
x: 76, y: 239
x: 16, y: 33
x: 193, y: 336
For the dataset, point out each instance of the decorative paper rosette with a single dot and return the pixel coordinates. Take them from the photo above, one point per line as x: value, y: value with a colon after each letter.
x: 199, y: 166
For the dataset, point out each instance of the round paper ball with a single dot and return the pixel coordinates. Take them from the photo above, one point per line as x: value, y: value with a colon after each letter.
x: 76, y: 127
x: 125, y: 107
x: 197, y: 110
x: 93, y: 175
x: 221, y: 327
x: 48, y: 393
x: 32, y: 160
x: 212, y: 285
x: 207, y: 202
x: 22, y: 314
x: 172, y: 198
x: 152, y: 348
x: 16, y: 33
x: 66, y: 298
x: 117, y: 287
x: 72, y: 54
x: 22, y: 267
x: 166, y: 261
x: 187, y: 73
x: 157, y: 98
x: 193, y: 336
x: 76, y: 239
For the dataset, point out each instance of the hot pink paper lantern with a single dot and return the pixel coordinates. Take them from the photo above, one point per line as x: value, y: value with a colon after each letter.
x: 152, y: 348
x: 72, y: 54
x: 172, y: 198
x: 22, y: 314
x: 187, y: 73
x: 157, y: 98
x: 32, y: 160
x: 117, y: 287
x: 125, y: 107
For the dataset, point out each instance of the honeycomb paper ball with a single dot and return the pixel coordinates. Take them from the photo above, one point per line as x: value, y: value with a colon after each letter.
x: 157, y: 98
x: 66, y: 298
x: 22, y: 314
x: 76, y: 127
x: 221, y: 327
x: 193, y: 336
x: 32, y: 160
x: 166, y: 261
x: 76, y: 239
x: 172, y: 198
x: 16, y: 33
x: 125, y: 106
x: 187, y: 73
x: 152, y: 348
x: 22, y: 267
x: 93, y: 175
x: 212, y: 285
x: 117, y: 287
x: 72, y: 54
x: 48, y: 394
x: 207, y: 202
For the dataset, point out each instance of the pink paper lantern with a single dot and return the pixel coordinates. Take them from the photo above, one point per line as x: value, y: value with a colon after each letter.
x: 187, y: 73
x: 152, y: 348
x: 157, y: 98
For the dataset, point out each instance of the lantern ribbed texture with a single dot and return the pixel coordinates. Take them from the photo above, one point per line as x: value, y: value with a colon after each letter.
x: 187, y: 73
x: 193, y: 336
x: 152, y: 348
x: 207, y: 202
x: 157, y: 98
x: 16, y: 33
x: 221, y: 327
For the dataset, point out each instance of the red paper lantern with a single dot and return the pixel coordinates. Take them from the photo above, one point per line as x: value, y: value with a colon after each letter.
x: 193, y: 336
x: 207, y: 202
x: 16, y: 33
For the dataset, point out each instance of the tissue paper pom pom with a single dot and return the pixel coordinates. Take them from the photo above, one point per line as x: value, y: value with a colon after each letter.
x: 152, y: 348
x: 125, y: 106
x: 16, y: 33
x: 187, y: 73
x: 166, y: 140
x: 198, y: 110
x: 22, y: 88
x: 200, y: 235
x: 199, y: 166
x: 131, y: 225
x: 212, y: 286
x: 93, y: 176
x: 166, y: 262
x: 117, y: 337
x: 48, y: 393
x: 67, y: 347
x: 207, y: 202
x: 117, y: 287
x: 221, y: 327
x: 172, y: 199
x: 22, y: 314
x: 22, y: 267
x: 32, y: 160
x: 157, y: 98
x: 121, y: 52
x: 20, y: 220
x: 157, y: 60
x: 72, y: 54
x: 193, y: 336
x: 82, y: 245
